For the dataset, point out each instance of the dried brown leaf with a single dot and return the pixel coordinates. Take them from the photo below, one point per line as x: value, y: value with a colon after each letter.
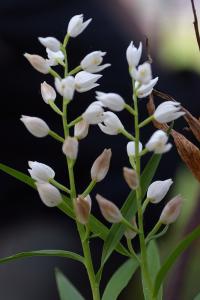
x: 193, y: 123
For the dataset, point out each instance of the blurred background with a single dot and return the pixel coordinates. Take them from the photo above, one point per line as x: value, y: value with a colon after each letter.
x: 25, y: 223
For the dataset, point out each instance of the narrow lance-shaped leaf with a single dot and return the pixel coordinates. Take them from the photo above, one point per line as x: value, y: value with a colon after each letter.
x: 182, y: 246
x: 66, y: 289
x: 120, y: 279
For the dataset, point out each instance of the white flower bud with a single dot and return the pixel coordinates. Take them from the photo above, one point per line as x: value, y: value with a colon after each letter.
x: 48, y: 93
x: 70, y: 147
x: 54, y: 57
x: 94, y: 113
x: 143, y: 74
x: 109, y: 210
x: 168, y: 111
x: 130, y: 234
x: 111, y: 123
x: 131, y: 148
x: 76, y: 25
x: 171, y: 210
x: 65, y: 87
x: 38, y: 63
x: 146, y: 89
x: 158, y: 190
x: 81, y: 129
x: 101, y: 165
x: 35, y: 126
x: 50, y: 42
x: 82, y: 208
x: 40, y: 172
x: 158, y: 142
x: 133, y: 55
x: 49, y: 194
x: 85, y: 81
x: 111, y: 100
x: 91, y: 62
x: 131, y: 178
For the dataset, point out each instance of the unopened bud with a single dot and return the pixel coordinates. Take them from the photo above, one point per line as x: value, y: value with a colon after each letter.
x: 48, y: 93
x: 81, y: 129
x: 49, y: 194
x: 101, y: 165
x: 171, y: 210
x: 35, y: 126
x: 131, y: 178
x: 130, y: 234
x: 50, y: 42
x: 109, y: 210
x: 82, y: 208
x: 158, y: 190
x: 38, y: 62
x: 70, y: 147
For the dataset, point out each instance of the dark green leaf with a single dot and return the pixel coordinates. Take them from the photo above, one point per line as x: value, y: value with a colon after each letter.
x: 182, y: 246
x: 66, y: 289
x: 120, y: 279
x: 197, y: 297
x: 129, y: 209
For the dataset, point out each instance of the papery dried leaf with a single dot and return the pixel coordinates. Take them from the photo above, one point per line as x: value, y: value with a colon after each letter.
x: 193, y: 123
x: 188, y: 152
x: 163, y: 95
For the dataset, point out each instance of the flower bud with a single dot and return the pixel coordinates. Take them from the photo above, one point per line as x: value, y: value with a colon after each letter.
x: 70, y: 147
x: 40, y: 172
x: 81, y: 129
x: 82, y: 208
x: 76, y: 25
x: 49, y: 194
x: 131, y: 148
x: 85, y: 81
x: 131, y: 178
x: 38, y: 63
x: 146, y: 89
x: 94, y: 113
x: 91, y: 62
x: 109, y: 210
x: 51, y: 43
x: 65, y: 87
x: 130, y: 234
x: 171, y: 210
x: 158, y: 190
x: 101, y: 165
x: 48, y: 92
x: 111, y: 100
x: 168, y: 111
x: 133, y: 55
x: 158, y: 142
x: 143, y: 73
x: 35, y: 126
x: 111, y: 123
x: 54, y: 57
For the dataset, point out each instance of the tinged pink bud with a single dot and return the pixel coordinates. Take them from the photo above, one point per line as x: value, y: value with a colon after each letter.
x: 38, y: 63
x: 101, y: 165
x: 130, y: 234
x: 131, y: 178
x: 171, y: 210
x: 48, y: 93
x: 82, y: 208
x: 109, y: 210
x: 81, y: 129
x: 70, y: 147
x: 35, y: 126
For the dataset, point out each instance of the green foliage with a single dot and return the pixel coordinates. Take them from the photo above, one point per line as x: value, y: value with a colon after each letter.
x: 197, y: 297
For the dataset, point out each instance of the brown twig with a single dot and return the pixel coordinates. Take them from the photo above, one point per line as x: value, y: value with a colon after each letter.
x: 149, y: 58
x: 196, y: 26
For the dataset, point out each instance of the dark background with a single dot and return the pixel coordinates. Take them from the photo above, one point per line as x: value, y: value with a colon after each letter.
x: 25, y: 223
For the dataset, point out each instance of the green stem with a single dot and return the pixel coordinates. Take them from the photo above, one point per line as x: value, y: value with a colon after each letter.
x: 127, y: 134
x: 132, y: 251
x: 75, y: 70
x: 129, y: 109
x: 129, y: 225
x: 145, y: 203
x: 55, y: 107
x: 154, y: 230
x: 55, y: 136
x: 89, y: 188
x: 75, y: 121
x: 54, y: 73
x: 146, y: 121
x: 144, y: 151
x: 59, y: 186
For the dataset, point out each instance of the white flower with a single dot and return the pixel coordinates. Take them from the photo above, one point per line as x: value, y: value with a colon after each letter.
x: 82, y: 208
x: 143, y: 73
x: 76, y: 25
x: 94, y: 113
x: 48, y: 93
x: 50, y: 42
x: 171, y: 210
x: 111, y: 100
x: 38, y: 62
x: 145, y: 89
x: 81, y: 129
x: 109, y: 210
x: 35, y: 126
x: 158, y: 190
x: 158, y: 142
x: 101, y: 165
x: 91, y: 62
x: 111, y: 123
x: 133, y: 55
x: 131, y: 148
x: 49, y: 194
x: 168, y: 111
x: 40, y: 172
x: 65, y: 87
x: 85, y: 81
x: 70, y: 147
x: 54, y: 57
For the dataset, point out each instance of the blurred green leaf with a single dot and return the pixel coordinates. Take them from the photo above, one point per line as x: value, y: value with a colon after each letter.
x: 120, y: 279
x: 66, y: 289
x: 197, y: 297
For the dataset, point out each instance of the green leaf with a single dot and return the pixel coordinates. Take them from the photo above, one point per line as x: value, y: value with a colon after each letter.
x: 57, y: 253
x: 197, y: 297
x: 182, y: 246
x: 66, y: 289
x: 120, y: 279
x: 129, y: 209
x: 66, y: 207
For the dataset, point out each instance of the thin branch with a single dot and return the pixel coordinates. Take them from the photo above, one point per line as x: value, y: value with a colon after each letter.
x: 196, y: 26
